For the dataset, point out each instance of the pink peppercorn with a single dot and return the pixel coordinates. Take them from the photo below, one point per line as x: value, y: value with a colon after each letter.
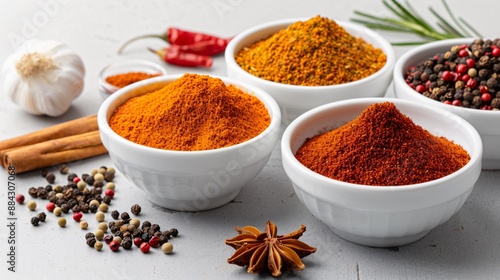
x: 110, y: 193
x: 486, y: 97
x: 138, y: 241
x: 463, y: 53
x: 114, y: 246
x: 447, y: 76
x: 154, y: 241
x: 470, y: 62
x: 495, y: 52
x: 76, y: 179
x: 77, y: 216
x: 20, y: 198
x: 456, y: 102
x: 461, y: 68
x: 420, y: 88
x: 145, y: 247
x: 50, y: 206
x: 447, y: 102
x: 471, y: 83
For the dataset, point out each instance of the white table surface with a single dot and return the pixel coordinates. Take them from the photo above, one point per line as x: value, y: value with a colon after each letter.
x: 465, y: 247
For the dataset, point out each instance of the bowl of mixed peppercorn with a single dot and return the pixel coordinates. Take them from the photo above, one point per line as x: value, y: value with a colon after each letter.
x: 305, y: 63
x: 461, y: 76
x: 381, y: 172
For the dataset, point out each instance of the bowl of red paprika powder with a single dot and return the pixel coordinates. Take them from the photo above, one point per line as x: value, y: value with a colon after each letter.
x: 189, y: 142
x: 381, y: 172
x: 304, y: 63
x: 462, y: 77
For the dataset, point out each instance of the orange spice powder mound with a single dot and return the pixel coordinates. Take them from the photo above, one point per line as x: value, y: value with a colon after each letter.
x: 192, y: 113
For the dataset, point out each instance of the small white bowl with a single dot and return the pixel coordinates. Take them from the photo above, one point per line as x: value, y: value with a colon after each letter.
x: 125, y: 66
x: 373, y: 215
x: 485, y: 122
x: 295, y: 100
x: 188, y: 180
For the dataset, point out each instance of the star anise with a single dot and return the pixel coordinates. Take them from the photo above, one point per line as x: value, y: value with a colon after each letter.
x: 259, y: 250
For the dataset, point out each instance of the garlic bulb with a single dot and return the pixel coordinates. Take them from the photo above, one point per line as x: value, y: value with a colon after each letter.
x: 43, y: 77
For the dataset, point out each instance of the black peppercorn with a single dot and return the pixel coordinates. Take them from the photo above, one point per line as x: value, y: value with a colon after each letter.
x: 146, y: 224
x: 174, y: 232
x: 115, y: 214
x: 44, y: 172
x: 63, y: 169
x: 76, y: 208
x: 34, y: 221
x: 50, y: 177
x: 84, y: 208
x: 114, y: 229
x: 98, y: 184
x: 33, y: 192
x: 163, y: 239
x: 107, y: 199
x: 145, y: 237
x: 125, y: 216
x: 135, y: 209
x: 119, y: 234
x: 71, y: 177
x: 89, y: 235
x: 126, y: 243
x: 91, y: 242
x: 41, y: 216
x: 93, y: 208
x: 108, y: 238
x: 137, y: 233
x: 89, y: 180
x: 127, y: 234
x: 65, y: 208
x: 109, y: 177
x: 155, y: 227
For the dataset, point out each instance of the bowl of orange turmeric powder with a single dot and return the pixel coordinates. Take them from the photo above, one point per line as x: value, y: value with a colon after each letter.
x: 381, y: 172
x: 304, y: 63
x: 190, y: 142
x: 125, y: 72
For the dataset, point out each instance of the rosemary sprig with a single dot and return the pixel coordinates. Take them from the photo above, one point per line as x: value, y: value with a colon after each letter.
x: 407, y: 20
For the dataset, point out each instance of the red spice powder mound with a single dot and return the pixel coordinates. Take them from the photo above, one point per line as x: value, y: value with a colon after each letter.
x: 382, y: 147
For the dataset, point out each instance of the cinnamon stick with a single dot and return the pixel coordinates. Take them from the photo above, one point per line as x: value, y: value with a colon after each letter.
x: 73, y: 127
x: 54, y: 151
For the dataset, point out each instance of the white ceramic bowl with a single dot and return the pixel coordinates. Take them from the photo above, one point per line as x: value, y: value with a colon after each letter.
x: 485, y: 122
x: 295, y: 100
x: 125, y: 66
x: 188, y: 180
x: 381, y: 216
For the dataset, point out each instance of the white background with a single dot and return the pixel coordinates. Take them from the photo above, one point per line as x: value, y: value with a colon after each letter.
x: 466, y: 247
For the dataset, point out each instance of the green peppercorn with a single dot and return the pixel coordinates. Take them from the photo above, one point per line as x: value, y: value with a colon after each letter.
x: 61, y: 222
x: 98, y: 245
x: 84, y: 225
x: 103, y: 207
x: 99, y: 216
x: 103, y: 226
x: 99, y: 234
x: 31, y: 205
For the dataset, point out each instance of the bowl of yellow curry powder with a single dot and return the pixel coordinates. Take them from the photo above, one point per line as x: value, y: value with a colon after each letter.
x: 305, y: 63
x: 190, y: 142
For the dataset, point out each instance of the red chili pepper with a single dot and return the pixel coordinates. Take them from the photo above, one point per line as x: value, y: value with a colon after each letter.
x: 177, y: 57
x: 211, y: 47
x: 176, y: 36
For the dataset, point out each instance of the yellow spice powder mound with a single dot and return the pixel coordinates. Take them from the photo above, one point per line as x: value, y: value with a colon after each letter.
x: 315, y: 52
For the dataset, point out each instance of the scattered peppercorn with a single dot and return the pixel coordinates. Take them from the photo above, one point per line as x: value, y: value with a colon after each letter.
x: 114, y: 246
x: 31, y: 205
x: 33, y: 192
x: 98, y: 245
x: 20, y: 198
x: 77, y: 216
x: 44, y: 172
x: 103, y: 226
x: 108, y: 238
x: 34, y: 221
x: 84, y: 225
x: 99, y: 234
x: 109, y: 176
x: 103, y: 207
x: 135, y: 209
x: 174, y: 232
x: 167, y: 248
x: 115, y: 214
x: 126, y: 243
x: 50, y: 177
x: 41, y: 216
x: 125, y: 216
x: 57, y: 211
x: 63, y: 169
x: 99, y: 216
x: 144, y: 247
x: 61, y: 222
